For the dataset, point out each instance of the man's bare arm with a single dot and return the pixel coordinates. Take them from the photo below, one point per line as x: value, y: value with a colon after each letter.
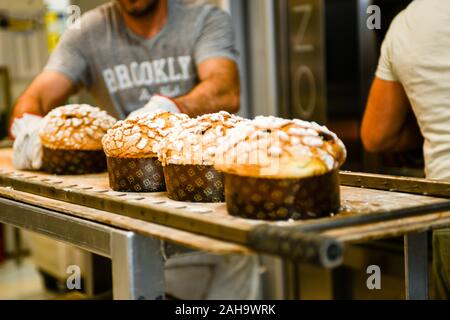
x: 218, y: 89
x: 47, y: 91
x: 388, y: 123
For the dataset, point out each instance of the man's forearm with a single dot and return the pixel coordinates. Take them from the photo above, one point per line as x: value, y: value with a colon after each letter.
x: 47, y: 91
x: 27, y: 104
x: 211, y: 96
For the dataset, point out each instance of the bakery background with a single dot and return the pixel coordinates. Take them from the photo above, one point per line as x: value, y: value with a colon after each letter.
x: 311, y: 59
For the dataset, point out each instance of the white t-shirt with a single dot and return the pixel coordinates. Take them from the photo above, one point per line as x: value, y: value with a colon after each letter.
x: 416, y: 53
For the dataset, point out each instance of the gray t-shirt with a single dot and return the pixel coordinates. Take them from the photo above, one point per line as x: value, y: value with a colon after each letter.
x: 123, y: 70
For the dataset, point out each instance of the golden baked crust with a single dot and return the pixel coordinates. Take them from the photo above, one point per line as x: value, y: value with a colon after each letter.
x: 139, y: 136
x: 75, y: 127
x: 272, y: 147
x: 194, y: 142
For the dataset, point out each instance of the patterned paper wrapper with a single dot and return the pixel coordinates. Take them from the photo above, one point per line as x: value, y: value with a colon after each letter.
x: 282, y: 199
x: 73, y: 162
x: 194, y: 183
x: 136, y: 175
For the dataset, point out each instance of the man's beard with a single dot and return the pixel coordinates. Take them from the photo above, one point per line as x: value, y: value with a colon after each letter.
x: 148, y: 9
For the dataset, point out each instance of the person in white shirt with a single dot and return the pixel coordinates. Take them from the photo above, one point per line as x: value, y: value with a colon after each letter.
x: 414, y: 75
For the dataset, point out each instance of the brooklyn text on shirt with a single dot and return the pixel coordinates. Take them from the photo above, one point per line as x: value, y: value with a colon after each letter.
x: 147, y: 73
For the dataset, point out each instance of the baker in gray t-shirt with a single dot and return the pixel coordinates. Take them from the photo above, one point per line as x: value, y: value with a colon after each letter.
x: 123, y: 70
x: 123, y: 53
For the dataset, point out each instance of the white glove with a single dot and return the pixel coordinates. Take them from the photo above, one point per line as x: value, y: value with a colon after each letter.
x: 157, y: 102
x: 27, y: 147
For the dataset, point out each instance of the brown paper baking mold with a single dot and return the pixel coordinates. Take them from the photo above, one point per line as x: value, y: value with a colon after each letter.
x: 282, y: 199
x: 73, y: 162
x: 194, y: 183
x: 136, y: 175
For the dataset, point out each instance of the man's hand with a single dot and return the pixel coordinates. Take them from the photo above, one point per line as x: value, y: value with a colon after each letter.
x: 27, y: 148
x: 218, y: 90
x: 47, y: 91
x: 157, y: 102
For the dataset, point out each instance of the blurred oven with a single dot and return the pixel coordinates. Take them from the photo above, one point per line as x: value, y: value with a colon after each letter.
x: 301, y: 56
x: 326, y: 59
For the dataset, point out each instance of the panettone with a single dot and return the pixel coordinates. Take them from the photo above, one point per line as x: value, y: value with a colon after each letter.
x: 188, y: 154
x: 272, y: 147
x: 194, y: 142
x: 139, y: 136
x: 75, y: 127
x: 131, y: 148
x: 72, y: 139
x: 278, y: 169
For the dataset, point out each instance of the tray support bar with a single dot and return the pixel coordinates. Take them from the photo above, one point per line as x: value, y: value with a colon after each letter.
x: 416, y: 266
x: 137, y: 267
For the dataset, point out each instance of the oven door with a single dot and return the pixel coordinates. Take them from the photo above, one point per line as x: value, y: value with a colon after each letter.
x: 301, y: 59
